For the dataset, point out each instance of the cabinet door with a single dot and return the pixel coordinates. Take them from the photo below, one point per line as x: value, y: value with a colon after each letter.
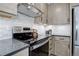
x: 38, y: 5
x: 9, y: 7
x: 44, y: 15
x: 58, y: 13
x: 43, y: 8
x: 62, y: 46
x: 24, y: 52
x: 51, y: 46
x: 38, y: 19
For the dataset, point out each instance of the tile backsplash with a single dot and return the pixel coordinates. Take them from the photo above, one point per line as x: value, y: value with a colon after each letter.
x: 7, y: 24
x: 5, y: 29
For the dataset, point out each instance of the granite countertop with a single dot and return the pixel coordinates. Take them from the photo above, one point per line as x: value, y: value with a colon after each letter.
x: 46, y: 36
x: 8, y: 46
x: 11, y: 46
x: 42, y: 39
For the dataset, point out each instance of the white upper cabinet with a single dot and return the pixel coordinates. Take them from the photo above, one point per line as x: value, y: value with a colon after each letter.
x: 8, y: 8
x: 58, y: 14
x: 42, y: 7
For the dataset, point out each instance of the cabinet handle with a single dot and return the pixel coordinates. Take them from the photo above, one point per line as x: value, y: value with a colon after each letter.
x: 50, y: 49
x: 61, y: 38
x: 50, y: 44
x: 68, y: 20
x: 69, y: 46
x: 50, y: 38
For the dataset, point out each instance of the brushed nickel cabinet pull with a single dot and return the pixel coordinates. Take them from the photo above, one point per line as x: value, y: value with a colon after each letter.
x: 69, y: 46
x: 61, y: 38
x: 68, y: 20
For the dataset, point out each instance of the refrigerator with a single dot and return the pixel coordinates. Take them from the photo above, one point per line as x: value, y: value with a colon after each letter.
x: 75, y: 26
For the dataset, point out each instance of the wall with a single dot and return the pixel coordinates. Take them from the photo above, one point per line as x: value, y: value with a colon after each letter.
x: 7, y: 24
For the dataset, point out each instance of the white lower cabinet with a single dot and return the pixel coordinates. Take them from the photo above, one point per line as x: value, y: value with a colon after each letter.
x: 59, y: 46
x: 24, y: 52
x: 51, y: 46
x: 62, y: 46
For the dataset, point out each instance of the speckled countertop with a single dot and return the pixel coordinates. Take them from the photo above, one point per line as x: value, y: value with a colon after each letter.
x: 9, y: 46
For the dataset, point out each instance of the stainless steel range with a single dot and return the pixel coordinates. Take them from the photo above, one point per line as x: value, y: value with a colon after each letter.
x: 25, y: 34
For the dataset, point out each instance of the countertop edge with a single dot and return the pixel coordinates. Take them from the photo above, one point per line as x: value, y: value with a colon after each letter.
x: 14, y: 52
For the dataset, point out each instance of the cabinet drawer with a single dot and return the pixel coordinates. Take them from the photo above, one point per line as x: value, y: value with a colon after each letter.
x: 62, y: 38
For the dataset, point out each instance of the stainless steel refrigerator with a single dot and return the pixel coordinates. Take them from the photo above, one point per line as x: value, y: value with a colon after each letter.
x: 75, y: 27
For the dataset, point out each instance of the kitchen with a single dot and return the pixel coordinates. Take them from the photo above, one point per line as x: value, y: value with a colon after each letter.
x: 36, y: 29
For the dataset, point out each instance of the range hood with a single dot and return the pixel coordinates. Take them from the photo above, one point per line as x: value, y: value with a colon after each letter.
x: 29, y: 10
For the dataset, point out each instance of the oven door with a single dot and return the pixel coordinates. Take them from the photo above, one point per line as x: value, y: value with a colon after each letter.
x: 38, y: 43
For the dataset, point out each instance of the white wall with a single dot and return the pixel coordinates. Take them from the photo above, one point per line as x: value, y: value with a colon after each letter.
x: 6, y: 25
